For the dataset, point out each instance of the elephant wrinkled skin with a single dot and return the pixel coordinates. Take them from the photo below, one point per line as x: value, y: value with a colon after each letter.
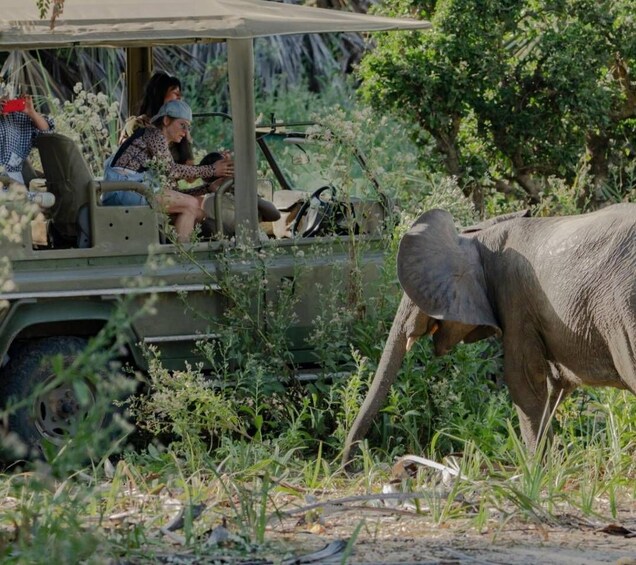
x: 560, y: 291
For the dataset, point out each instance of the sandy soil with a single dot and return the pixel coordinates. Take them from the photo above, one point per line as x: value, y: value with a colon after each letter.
x: 415, y: 540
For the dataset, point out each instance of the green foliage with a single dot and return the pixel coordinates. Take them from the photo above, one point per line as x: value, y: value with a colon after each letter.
x: 512, y: 92
x: 48, y: 527
x: 45, y: 507
x: 456, y: 394
x: 44, y: 6
x: 185, y: 405
x: 91, y: 121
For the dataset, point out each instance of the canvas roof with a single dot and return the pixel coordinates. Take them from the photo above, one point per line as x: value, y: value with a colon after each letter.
x: 169, y: 22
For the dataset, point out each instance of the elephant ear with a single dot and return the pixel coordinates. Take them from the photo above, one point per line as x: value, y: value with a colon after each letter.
x: 443, y: 275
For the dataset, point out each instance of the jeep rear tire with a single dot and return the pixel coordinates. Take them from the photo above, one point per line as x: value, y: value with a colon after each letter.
x: 50, y: 415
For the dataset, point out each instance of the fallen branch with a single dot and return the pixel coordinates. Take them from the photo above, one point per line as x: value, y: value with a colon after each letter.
x: 334, y: 505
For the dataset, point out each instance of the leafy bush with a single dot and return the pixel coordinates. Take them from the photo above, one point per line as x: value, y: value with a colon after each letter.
x: 90, y: 120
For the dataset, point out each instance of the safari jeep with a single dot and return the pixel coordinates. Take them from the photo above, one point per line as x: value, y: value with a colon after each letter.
x: 92, y: 259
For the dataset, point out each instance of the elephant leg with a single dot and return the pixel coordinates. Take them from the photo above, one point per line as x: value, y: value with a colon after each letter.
x: 526, y: 375
x: 560, y: 385
x: 622, y: 347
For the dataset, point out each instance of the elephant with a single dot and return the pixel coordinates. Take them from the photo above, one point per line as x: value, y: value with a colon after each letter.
x: 559, y: 291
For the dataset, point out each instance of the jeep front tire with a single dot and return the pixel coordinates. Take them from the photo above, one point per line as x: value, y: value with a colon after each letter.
x: 46, y: 412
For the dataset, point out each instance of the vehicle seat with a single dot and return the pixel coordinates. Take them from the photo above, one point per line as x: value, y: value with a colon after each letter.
x: 29, y: 173
x: 220, y: 204
x: 69, y: 179
x: 78, y: 218
x: 288, y: 203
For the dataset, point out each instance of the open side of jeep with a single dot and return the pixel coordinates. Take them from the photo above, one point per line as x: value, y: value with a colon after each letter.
x: 70, y: 284
x: 97, y: 258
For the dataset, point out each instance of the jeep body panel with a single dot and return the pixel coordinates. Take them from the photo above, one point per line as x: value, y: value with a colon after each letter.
x: 75, y: 291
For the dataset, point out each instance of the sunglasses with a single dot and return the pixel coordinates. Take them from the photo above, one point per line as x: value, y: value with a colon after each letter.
x: 183, y: 124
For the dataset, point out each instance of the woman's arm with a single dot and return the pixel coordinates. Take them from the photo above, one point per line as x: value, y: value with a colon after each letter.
x: 158, y: 147
x: 39, y: 121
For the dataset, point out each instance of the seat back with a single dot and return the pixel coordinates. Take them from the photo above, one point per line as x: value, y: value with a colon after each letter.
x: 28, y: 172
x: 68, y: 177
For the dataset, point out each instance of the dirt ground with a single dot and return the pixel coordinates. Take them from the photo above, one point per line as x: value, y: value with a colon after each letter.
x: 388, y: 541
x: 415, y: 540
x: 397, y: 527
x: 370, y: 529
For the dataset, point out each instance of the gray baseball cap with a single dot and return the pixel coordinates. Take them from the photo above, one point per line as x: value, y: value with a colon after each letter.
x: 174, y: 109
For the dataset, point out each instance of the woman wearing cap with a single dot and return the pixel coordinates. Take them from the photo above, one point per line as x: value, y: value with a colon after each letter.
x: 134, y: 158
x: 161, y: 88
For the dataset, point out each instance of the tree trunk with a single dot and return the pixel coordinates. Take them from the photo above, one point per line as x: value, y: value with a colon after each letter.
x: 526, y: 182
x: 596, y: 147
x: 446, y: 143
x: 524, y: 178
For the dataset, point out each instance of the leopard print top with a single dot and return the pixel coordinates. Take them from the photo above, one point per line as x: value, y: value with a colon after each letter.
x: 152, y: 143
x: 182, y: 152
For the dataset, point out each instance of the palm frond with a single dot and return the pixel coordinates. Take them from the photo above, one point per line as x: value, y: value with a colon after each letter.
x: 282, y: 62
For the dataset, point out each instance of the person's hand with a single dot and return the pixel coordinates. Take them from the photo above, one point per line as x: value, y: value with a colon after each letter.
x: 37, y: 119
x: 224, y: 167
x: 29, y: 108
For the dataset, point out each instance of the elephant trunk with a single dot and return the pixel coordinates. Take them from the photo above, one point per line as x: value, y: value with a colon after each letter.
x: 409, y: 324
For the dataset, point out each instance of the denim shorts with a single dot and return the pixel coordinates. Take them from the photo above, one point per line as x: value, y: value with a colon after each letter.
x: 123, y: 197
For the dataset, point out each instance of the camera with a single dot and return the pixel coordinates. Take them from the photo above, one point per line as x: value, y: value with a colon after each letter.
x: 13, y: 105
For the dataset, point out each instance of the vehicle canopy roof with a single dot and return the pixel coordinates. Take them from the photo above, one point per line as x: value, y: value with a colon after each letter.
x: 124, y: 23
x: 147, y: 23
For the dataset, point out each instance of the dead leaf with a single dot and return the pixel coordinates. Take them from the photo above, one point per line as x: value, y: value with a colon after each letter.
x: 616, y: 530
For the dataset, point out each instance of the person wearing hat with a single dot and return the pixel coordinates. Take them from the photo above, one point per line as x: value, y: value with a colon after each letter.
x: 161, y: 88
x: 147, y: 150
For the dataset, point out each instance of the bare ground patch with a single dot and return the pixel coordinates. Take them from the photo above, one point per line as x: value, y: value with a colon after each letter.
x: 415, y: 540
x: 393, y: 536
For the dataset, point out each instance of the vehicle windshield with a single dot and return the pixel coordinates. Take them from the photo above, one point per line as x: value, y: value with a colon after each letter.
x: 308, y: 162
x: 295, y: 156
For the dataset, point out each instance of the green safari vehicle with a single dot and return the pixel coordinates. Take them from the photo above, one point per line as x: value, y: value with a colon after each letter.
x: 95, y: 258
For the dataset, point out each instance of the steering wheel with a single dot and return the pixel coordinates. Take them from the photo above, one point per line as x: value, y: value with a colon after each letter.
x: 316, y: 209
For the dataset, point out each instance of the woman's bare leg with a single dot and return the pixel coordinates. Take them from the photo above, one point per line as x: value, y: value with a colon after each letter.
x: 187, y: 210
